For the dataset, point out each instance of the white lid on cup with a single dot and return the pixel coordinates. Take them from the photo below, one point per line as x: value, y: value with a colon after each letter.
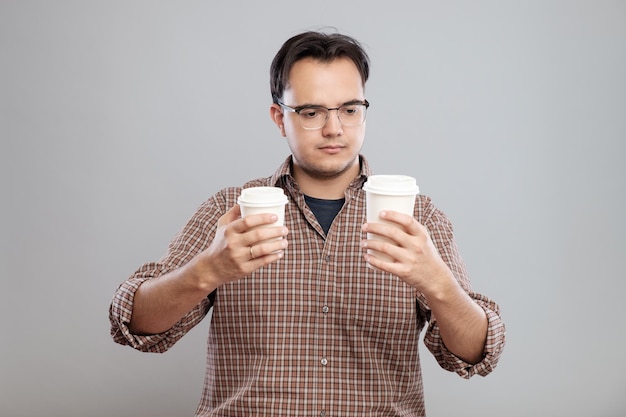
x: 391, y: 185
x: 262, y: 197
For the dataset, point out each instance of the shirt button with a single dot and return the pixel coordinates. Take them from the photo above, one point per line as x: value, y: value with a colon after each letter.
x: 323, y: 414
x: 327, y: 258
x: 325, y: 309
x: 324, y: 361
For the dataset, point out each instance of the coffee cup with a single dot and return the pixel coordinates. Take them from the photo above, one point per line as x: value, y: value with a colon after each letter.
x: 388, y: 192
x: 257, y: 200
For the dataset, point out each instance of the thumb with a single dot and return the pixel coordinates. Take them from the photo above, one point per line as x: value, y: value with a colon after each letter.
x: 231, y: 215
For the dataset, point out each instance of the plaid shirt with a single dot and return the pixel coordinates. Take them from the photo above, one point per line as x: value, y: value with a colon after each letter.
x: 317, y: 333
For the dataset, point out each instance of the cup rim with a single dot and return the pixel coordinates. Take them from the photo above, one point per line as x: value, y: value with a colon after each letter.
x: 278, y: 197
x: 399, y: 185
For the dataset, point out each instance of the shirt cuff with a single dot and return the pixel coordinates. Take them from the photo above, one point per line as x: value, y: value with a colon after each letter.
x: 494, y: 345
x: 120, y: 313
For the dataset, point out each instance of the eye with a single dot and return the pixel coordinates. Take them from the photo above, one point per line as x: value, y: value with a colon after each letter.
x: 311, y: 112
x: 351, y: 110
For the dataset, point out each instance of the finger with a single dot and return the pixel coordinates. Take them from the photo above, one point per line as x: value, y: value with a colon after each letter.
x: 261, y: 261
x: 263, y: 234
x: 255, y: 220
x: 267, y: 248
x: 388, y: 231
x: 383, y: 246
x: 393, y: 267
x: 258, y: 256
x: 375, y: 262
x: 404, y: 220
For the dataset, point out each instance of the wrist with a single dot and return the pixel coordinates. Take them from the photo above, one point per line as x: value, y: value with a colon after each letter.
x: 443, y: 287
x: 199, y: 277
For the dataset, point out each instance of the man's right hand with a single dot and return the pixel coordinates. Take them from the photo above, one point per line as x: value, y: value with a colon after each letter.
x: 240, y: 246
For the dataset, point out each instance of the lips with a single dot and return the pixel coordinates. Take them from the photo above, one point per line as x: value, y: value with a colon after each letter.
x: 332, y: 149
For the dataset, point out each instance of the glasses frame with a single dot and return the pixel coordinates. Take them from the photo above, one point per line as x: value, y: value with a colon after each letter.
x: 297, y: 110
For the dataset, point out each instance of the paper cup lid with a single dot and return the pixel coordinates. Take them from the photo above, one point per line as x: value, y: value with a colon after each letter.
x: 262, y: 196
x: 391, y: 185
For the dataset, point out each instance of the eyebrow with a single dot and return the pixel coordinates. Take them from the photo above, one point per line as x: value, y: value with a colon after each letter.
x: 353, y: 101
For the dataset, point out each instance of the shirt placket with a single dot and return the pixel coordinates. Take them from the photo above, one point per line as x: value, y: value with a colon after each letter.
x: 329, y: 271
x: 326, y: 309
x: 328, y: 401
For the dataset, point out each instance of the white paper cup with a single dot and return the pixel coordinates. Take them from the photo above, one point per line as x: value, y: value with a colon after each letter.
x: 258, y: 200
x: 388, y: 192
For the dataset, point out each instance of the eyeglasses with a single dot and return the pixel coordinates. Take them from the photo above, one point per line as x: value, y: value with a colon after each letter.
x: 315, y: 117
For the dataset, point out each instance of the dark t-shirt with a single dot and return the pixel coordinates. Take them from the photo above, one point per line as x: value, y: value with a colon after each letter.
x: 324, y: 210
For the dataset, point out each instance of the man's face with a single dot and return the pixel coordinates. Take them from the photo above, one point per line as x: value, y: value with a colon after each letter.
x: 332, y: 150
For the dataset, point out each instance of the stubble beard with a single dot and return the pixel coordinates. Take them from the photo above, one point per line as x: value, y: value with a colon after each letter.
x: 322, y: 173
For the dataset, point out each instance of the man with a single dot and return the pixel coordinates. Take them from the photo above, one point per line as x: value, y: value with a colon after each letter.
x: 301, y: 325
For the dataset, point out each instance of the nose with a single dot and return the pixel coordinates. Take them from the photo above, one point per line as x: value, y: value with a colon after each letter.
x: 333, y: 126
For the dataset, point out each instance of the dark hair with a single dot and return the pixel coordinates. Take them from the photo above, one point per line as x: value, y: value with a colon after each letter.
x: 324, y: 47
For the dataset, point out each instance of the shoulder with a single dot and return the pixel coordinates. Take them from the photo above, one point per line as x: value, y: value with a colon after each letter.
x: 429, y: 214
x: 225, y: 198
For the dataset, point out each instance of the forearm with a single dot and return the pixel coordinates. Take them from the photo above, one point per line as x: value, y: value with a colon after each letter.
x: 462, y: 322
x: 160, y: 303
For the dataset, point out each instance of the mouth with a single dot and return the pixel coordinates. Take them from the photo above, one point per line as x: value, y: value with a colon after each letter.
x: 331, y: 149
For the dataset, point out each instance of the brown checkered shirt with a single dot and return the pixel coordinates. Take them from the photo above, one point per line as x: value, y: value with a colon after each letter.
x: 317, y: 333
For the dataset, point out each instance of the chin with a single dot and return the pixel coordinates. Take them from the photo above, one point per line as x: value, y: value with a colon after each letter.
x: 332, y: 169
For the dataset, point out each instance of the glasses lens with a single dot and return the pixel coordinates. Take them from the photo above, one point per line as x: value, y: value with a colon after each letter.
x: 352, y: 114
x: 313, y: 117
x: 316, y: 117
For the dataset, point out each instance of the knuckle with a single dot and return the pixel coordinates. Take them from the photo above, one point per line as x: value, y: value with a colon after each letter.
x: 247, y: 222
x: 385, y: 246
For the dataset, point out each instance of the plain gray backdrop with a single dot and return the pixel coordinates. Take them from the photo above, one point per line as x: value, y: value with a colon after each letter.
x: 119, y: 118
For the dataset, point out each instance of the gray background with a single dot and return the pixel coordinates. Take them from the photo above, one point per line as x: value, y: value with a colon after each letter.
x: 119, y: 118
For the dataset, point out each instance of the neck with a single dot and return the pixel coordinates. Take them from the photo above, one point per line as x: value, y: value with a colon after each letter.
x: 327, y: 188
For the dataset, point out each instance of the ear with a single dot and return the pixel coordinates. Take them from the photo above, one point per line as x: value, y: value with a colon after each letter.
x: 278, y: 117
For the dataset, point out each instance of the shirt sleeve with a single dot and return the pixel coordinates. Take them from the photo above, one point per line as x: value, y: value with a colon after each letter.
x: 493, y: 345
x: 120, y: 313
x: 442, y: 235
x: 195, y: 237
